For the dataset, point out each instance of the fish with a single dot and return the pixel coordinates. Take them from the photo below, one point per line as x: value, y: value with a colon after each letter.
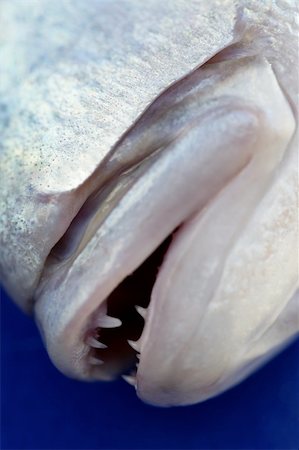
x: 149, y: 187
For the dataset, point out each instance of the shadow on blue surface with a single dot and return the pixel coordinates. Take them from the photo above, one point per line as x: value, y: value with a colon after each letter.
x: 41, y: 409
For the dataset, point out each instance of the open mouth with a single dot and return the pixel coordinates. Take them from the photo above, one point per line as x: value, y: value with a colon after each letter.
x: 109, y: 257
x: 111, y: 319
x: 114, y: 324
x: 111, y: 328
x: 103, y: 336
x: 107, y: 262
x: 128, y: 302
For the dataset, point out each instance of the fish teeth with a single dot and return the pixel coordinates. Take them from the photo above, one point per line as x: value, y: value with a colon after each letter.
x: 108, y: 322
x: 95, y: 361
x: 135, y: 345
x: 131, y: 379
x: 142, y: 311
x: 93, y: 342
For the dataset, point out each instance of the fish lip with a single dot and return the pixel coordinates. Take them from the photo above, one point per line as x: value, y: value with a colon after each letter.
x: 54, y: 276
x: 75, y: 327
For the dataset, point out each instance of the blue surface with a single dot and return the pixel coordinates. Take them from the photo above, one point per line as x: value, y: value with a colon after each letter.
x: 41, y: 409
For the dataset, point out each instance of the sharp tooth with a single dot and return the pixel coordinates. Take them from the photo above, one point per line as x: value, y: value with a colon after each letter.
x: 135, y: 345
x: 108, y: 322
x: 92, y: 342
x: 130, y: 379
x: 142, y: 311
x: 138, y: 355
x: 95, y: 361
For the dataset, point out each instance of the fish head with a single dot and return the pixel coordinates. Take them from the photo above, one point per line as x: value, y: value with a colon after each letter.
x: 160, y: 175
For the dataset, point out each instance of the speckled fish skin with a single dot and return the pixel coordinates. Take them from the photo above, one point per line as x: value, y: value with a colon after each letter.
x: 153, y: 115
x: 72, y: 99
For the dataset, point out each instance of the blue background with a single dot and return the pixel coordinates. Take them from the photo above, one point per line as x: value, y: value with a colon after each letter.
x: 41, y: 409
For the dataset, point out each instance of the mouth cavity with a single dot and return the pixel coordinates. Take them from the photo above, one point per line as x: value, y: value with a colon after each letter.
x: 113, y: 344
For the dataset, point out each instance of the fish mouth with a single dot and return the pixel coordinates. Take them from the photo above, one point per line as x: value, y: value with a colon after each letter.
x: 109, y: 258
x: 97, y: 326
x: 107, y: 262
x: 98, y: 342
x: 103, y: 331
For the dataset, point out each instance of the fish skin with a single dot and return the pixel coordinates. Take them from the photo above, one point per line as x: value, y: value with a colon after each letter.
x: 72, y: 98
x: 60, y: 324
